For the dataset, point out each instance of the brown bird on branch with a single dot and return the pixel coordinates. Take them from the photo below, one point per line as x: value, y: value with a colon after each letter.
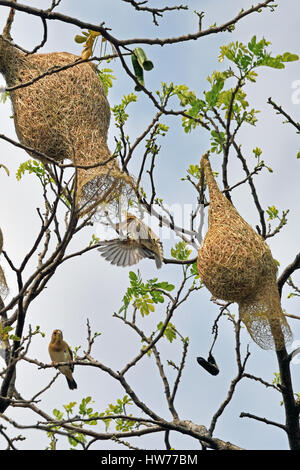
x: 60, y: 352
x: 137, y: 241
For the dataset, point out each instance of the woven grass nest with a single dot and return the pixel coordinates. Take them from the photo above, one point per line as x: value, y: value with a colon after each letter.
x: 236, y: 265
x: 65, y: 115
x: 3, y: 285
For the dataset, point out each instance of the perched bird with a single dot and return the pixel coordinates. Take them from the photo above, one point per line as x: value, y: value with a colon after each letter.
x: 60, y: 352
x: 136, y: 241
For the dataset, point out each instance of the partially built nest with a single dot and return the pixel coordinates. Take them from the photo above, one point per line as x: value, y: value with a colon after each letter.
x: 65, y: 115
x: 236, y: 265
x: 3, y: 284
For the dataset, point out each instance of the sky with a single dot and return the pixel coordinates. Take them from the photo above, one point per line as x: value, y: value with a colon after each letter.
x: 89, y: 287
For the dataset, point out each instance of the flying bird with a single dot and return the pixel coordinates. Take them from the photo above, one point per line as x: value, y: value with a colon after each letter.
x: 60, y: 352
x: 137, y: 241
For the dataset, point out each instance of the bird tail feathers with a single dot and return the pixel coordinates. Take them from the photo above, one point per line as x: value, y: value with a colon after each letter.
x: 72, y: 384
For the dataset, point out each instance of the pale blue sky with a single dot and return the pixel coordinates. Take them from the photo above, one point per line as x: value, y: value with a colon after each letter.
x: 89, y: 287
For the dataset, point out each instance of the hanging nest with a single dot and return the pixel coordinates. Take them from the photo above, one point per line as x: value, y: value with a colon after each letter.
x: 65, y: 115
x: 236, y: 265
x: 3, y: 284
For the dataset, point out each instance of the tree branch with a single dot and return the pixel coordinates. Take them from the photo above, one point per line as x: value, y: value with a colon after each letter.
x: 284, y: 113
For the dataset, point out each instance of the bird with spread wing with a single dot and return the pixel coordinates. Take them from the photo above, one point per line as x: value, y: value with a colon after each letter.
x: 137, y: 241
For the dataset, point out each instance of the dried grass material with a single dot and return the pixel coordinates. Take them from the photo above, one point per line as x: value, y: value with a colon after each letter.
x: 65, y: 115
x: 3, y: 284
x: 236, y: 265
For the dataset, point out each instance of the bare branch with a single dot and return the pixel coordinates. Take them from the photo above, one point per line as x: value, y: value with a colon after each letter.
x: 154, y: 11
x: 288, y: 271
x: 285, y: 114
x: 50, y: 15
x: 241, y: 368
x: 263, y: 420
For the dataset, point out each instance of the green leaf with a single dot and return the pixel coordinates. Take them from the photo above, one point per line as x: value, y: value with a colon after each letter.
x: 288, y: 57
x: 272, y: 212
x: 58, y: 414
x: 254, y: 55
x: 69, y: 407
x: 3, y: 96
x: 133, y: 276
x: 217, y: 141
x: 144, y: 295
x: 31, y: 166
x: 251, y: 75
x: 142, y: 59
x: 273, y: 62
x: 290, y: 295
x: 14, y: 338
x: 181, y: 252
x: 165, y: 286
x: 144, y: 305
x: 194, y: 170
x: 106, y: 78
x: 170, y: 331
x: 79, y: 39
x: 119, y: 110
x: 138, y: 72
x: 257, y: 152
x: 94, y: 240
x: 277, y: 378
x: 194, y: 270
x: 72, y: 441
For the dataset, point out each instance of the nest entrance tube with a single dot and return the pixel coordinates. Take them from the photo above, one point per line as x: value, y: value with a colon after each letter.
x: 65, y: 115
x: 236, y: 265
